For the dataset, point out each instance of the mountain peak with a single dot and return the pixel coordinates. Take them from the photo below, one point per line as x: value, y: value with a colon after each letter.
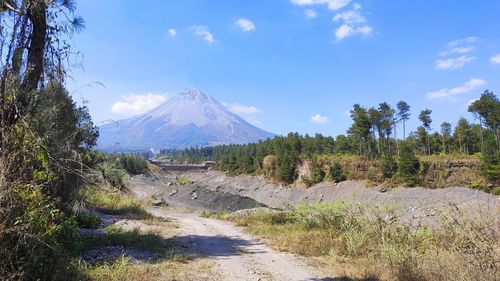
x: 194, y: 93
x: 191, y: 118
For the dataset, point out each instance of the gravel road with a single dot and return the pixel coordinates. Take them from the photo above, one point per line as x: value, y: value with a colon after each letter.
x: 238, y: 256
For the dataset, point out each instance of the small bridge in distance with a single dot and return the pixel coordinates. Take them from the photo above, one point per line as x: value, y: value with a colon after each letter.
x: 168, y: 166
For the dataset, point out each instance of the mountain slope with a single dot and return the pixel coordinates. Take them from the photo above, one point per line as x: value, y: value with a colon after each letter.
x: 190, y: 119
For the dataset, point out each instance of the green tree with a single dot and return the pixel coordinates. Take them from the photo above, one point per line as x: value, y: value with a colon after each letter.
x: 425, y: 118
x: 387, y: 122
x: 462, y: 135
x: 376, y: 122
x: 361, y: 129
x: 445, y: 135
x: 403, y: 114
x: 487, y: 110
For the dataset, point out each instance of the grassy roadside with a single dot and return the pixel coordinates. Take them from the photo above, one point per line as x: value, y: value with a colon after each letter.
x: 363, y: 243
x: 123, y: 270
x: 116, y: 203
x: 148, y: 234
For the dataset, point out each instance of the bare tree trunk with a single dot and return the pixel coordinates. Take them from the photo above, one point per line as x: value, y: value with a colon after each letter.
x: 404, y: 130
x: 481, y: 133
x: 428, y: 144
x: 396, y: 137
x: 460, y: 141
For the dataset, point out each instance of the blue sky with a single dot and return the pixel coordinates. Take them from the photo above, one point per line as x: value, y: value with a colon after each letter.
x: 288, y: 65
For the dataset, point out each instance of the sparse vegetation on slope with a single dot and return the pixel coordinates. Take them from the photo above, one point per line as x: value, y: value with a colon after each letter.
x: 116, y: 203
x: 354, y: 238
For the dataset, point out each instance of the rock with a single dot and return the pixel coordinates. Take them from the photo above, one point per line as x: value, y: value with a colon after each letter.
x: 194, y: 196
x: 159, y: 202
x: 169, y: 184
x: 173, y: 193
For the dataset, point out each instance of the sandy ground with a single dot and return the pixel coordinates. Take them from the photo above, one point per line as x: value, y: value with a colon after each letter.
x: 237, y: 256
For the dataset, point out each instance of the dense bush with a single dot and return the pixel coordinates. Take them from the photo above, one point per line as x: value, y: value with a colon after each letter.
x: 408, y: 164
x: 89, y: 220
x: 336, y: 172
x: 133, y: 164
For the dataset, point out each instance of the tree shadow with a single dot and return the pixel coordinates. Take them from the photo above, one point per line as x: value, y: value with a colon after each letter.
x: 213, y: 246
x: 344, y: 278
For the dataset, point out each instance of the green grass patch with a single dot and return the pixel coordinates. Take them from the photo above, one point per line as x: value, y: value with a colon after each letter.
x: 128, y: 238
x: 116, y: 203
x: 182, y: 181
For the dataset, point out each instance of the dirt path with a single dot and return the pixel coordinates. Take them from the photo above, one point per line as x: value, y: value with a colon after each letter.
x: 237, y: 255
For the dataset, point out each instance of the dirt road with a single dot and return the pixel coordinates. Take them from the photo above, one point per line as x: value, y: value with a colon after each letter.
x: 237, y: 255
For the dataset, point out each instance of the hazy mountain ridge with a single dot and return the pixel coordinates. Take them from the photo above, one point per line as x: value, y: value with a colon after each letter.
x: 190, y: 119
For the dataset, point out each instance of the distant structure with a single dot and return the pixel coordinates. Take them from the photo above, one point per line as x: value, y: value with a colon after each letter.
x: 168, y: 166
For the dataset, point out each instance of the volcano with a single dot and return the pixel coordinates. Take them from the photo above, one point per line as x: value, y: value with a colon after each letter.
x: 191, y: 119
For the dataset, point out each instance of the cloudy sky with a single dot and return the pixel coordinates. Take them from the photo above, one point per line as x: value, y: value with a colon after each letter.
x: 288, y: 65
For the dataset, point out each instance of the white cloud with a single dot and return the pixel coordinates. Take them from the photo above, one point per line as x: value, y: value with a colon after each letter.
x: 332, y: 4
x: 468, y: 86
x: 242, y: 109
x: 453, y: 63
x: 457, y: 50
x: 352, y: 23
x: 466, y: 40
x: 495, y: 59
x: 136, y: 104
x: 203, y: 32
x: 350, y: 17
x: 344, y: 31
x: 310, y: 13
x: 318, y: 119
x: 245, y: 24
x: 172, y: 32
x: 365, y: 30
x: 247, y: 112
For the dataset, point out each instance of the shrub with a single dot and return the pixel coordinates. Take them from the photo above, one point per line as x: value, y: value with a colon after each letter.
x: 336, y: 173
x: 182, y: 181
x: 66, y: 235
x: 89, y: 220
x: 113, y: 174
x: 269, y: 165
x: 387, y: 165
x: 133, y: 164
x: 408, y: 164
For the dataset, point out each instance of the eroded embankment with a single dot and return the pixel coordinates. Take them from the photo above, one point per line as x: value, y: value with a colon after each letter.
x: 165, y: 188
x: 215, y: 191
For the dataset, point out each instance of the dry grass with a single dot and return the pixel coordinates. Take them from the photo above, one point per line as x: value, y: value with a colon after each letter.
x: 123, y: 270
x: 352, y: 239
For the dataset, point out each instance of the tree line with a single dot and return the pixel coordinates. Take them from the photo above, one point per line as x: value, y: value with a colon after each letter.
x: 371, y: 135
